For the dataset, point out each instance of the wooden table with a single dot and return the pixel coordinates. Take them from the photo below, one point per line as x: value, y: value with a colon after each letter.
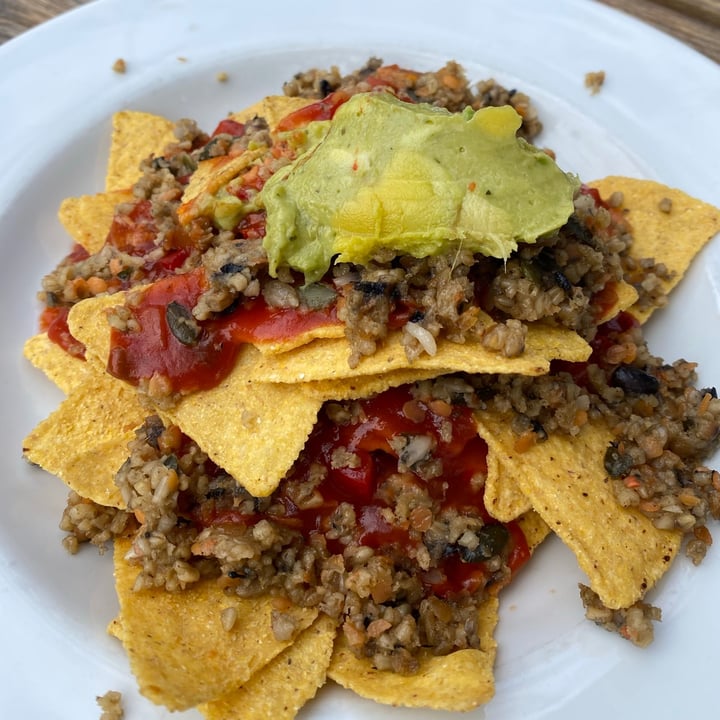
x: 696, y: 22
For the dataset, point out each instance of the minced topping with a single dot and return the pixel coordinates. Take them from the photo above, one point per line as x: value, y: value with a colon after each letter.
x: 562, y: 277
x: 381, y: 523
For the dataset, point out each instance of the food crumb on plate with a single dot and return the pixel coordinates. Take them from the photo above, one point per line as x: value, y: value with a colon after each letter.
x: 634, y: 623
x: 594, y: 81
x: 119, y: 66
x: 111, y: 705
x: 222, y: 77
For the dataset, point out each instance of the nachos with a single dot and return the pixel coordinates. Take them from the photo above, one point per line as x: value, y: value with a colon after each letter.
x: 336, y: 369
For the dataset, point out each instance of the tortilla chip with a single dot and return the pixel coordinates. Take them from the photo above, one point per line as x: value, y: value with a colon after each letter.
x: 462, y: 680
x: 264, y: 426
x: 84, y: 442
x: 115, y: 628
x: 626, y: 297
x: 534, y: 528
x: 276, y: 347
x: 236, y: 423
x: 285, y: 684
x: 87, y: 321
x: 504, y: 499
x: 273, y: 108
x: 564, y: 478
x: 248, y: 412
x: 211, y: 175
x: 673, y: 238
x: 364, y: 387
x: 178, y: 649
x: 135, y: 136
x: 87, y: 218
x: 328, y: 359
x: 65, y: 370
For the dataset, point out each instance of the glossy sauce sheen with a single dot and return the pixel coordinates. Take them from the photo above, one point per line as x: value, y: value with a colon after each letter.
x: 154, y: 349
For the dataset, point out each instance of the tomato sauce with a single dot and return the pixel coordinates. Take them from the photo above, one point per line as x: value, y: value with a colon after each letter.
x: 135, y: 233
x: 369, y: 439
x: 54, y: 318
x: 54, y: 321
x: 321, y: 110
x: 391, y: 77
x: 605, y: 338
x: 156, y: 348
x: 605, y: 300
x: 228, y: 126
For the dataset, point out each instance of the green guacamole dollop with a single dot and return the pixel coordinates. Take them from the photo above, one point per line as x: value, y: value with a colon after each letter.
x: 413, y: 179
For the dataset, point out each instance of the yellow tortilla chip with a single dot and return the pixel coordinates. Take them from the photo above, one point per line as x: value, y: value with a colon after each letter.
x: 627, y: 296
x: 564, y: 478
x: 248, y: 413
x: 135, y: 136
x: 328, y: 359
x: 303, y: 338
x: 87, y: 321
x: 285, y: 684
x: 178, y: 649
x: 460, y: 681
x: 84, y: 442
x: 115, y: 628
x: 534, y: 528
x: 363, y: 387
x: 273, y: 108
x: 87, y: 218
x: 211, y: 175
x: 263, y: 426
x: 504, y: 499
x: 65, y: 370
x: 674, y: 237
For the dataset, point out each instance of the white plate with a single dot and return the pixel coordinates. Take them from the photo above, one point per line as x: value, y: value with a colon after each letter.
x: 656, y: 116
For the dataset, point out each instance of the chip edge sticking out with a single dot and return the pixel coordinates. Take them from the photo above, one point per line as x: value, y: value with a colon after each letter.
x: 168, y: 661
x: 668, y: 225
x: 619, y: 549
x: 460, y: 681
x: 285, y: 684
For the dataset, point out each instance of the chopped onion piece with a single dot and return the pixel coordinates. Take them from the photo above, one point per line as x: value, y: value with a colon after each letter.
x: 423, y: 336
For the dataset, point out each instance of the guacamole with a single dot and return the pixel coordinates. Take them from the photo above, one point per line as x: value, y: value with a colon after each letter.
x: 413, y: 179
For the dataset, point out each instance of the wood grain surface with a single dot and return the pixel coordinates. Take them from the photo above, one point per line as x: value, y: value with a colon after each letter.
x: 695, y: 22
x: 16, y: 16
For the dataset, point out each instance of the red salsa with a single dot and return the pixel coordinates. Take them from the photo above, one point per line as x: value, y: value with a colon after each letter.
x: 391, y: 77
x: 135, y: 233
x: 371, y: 440
x: 192, y: 355
x: 54, y: 318
x: 606, y: 337
x: 54, y: 321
